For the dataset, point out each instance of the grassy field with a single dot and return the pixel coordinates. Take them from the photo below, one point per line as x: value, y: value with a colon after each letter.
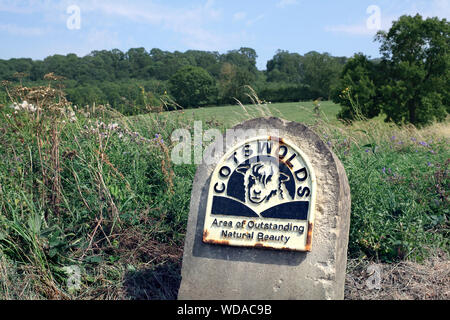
x: 294, y: 111
x: 93, y: 191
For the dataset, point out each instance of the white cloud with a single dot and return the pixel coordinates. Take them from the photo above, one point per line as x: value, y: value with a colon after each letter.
x: 285, y: 3
x: 254, y: 20
x: 193, y: 24
x: 21, y: 6
x: 102, y: 39
x: 21, y: 31
x: 359, y: 30
x: 434, y: 8
x: 239, y: 16
x: 190, y: 23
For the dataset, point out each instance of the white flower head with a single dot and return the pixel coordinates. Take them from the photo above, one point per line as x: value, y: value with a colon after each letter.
x: 113, y: 126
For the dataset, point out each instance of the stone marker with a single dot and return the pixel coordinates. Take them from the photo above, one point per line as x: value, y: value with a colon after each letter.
x: 269, y: 219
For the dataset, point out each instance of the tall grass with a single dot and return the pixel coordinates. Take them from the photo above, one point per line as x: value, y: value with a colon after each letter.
x: 83, y: 187
x: 90, y: 188
x: 399, y: 180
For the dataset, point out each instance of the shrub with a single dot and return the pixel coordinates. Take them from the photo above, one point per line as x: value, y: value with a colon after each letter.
x: 192, y: 87
x: 356, y: 91
x: 75, y: 181
x: 399, y: 187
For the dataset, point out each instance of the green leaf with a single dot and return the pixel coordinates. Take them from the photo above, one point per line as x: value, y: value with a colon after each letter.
x: 93, y: 259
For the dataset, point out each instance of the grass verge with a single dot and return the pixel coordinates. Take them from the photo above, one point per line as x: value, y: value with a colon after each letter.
x: 92, y: 190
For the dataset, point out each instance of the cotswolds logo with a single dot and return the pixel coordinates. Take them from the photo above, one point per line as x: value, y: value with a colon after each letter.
x: 264, y: 185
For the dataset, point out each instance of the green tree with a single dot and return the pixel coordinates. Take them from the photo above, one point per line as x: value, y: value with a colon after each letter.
x: 165, y: 64
x: 192, y: 87
x: 285, y: 67
x: 204, y: 59
x: 139, y: 62
x: 244, y: 59
x: 356, y: 91
x: 321, y: 71
x: 416, y: 58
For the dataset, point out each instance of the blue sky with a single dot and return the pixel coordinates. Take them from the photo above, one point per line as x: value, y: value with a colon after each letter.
x: 39, y: 28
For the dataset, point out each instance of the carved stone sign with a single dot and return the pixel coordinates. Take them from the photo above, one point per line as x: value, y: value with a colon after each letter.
x: 269, y: 217
x: 262, y: 194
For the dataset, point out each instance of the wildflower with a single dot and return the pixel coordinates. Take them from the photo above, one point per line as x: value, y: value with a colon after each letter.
x: 384, y: 170
x: 413, y: 139
x: 393, y: 138
x: 423, y: 143
x: 113, y: 126
x: 367, y: 150
x: 429, y: 164
x: 432, y: 151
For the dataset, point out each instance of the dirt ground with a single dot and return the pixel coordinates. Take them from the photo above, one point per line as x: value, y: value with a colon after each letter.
x: 365, y: 280
x: 399, y: 281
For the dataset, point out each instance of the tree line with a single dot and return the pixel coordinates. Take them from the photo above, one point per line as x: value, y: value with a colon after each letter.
x: 408, y: 84
x: 130, y: 80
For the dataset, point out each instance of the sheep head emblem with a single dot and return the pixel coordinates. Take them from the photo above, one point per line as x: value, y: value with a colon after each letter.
x: 262, y: 181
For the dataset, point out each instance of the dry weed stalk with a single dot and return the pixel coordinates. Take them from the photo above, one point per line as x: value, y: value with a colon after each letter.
x: 166, y: 167
x: 47, y: 110
x: 261, y: 106
x: 405, y: 280
x: 103, y: 190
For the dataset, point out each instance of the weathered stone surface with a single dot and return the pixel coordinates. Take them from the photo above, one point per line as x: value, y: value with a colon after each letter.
x: 213, y: 271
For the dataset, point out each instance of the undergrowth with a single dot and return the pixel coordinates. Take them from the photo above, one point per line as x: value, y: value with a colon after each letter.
x: 399, y: 182
x: 87, y: 188
x: 90, y: 189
